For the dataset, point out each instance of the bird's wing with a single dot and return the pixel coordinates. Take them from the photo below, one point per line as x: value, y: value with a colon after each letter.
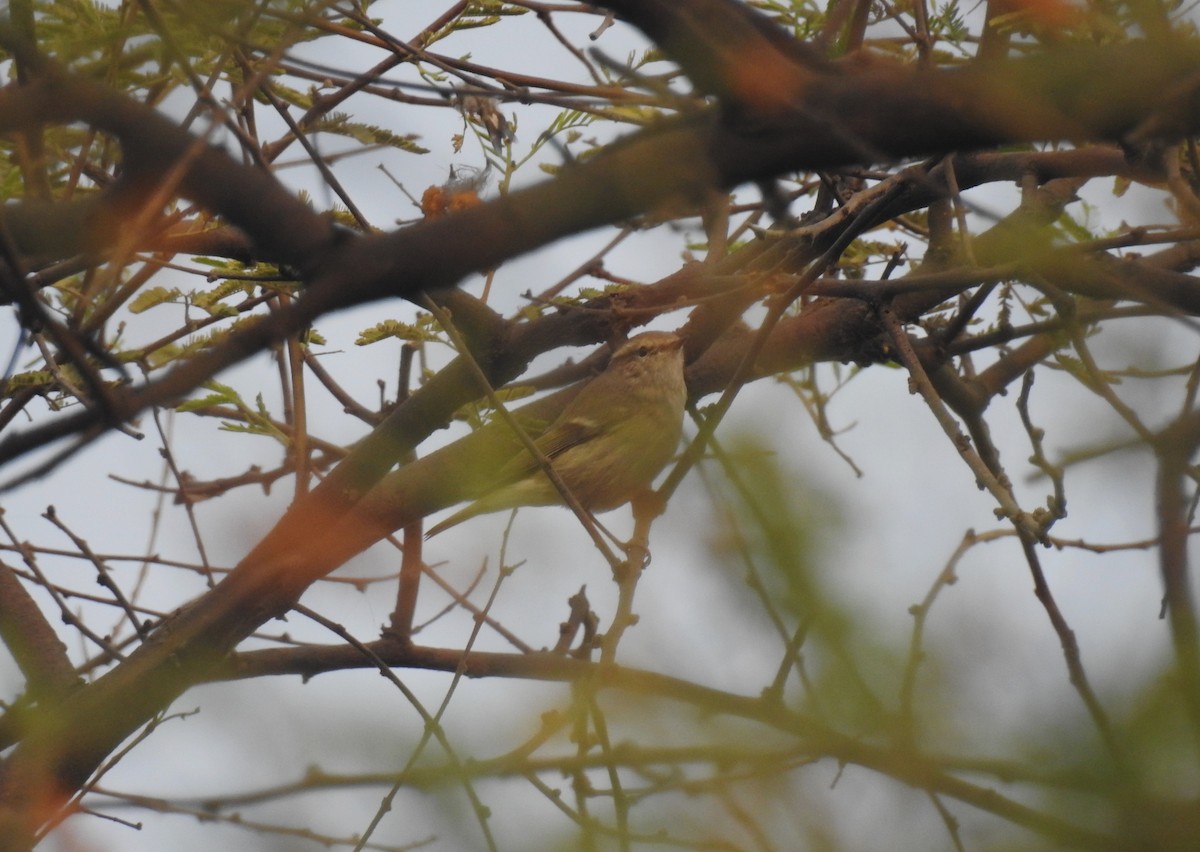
x: 567, y: 434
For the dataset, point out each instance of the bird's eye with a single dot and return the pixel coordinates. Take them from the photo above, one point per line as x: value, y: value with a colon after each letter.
x: 643, y: 351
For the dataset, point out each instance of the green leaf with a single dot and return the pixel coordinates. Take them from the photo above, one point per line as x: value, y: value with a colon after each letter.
x: 340, y: 124
x: 153, y: 297
x: 208, y: 299
x: 221, y: 311
x: 397, y: 329
x: 222, y: 395
x: 27, y: 380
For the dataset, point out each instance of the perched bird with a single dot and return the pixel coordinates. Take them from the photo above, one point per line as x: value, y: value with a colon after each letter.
x: 609, y: 442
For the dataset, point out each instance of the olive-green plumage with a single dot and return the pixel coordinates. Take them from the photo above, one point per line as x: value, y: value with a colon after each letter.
x: 609, y: 442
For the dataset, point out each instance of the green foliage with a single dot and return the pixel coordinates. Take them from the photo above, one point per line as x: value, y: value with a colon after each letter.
x: 946, y: 22
x: 779, y: 520
x: 423, y: 331
x: 481, y: 412
x: 77, y: 30
x: 1074, y: 228
x: 211, y: 300
x: 28, y: 380
x: 863, y: 253
x: 289, y: 94
x: 198, y: 342
x: 221, y: 395
x: 311, y: 337
x: 340, y: 124
x: 803, y: 18
x: 482, y: 13
x: 152, y: 297
x: 56, y: 385
x: 256, y: 419
x: 777, y: 527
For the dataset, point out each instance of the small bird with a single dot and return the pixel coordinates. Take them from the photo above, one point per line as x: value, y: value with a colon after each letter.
x: 609, y: 442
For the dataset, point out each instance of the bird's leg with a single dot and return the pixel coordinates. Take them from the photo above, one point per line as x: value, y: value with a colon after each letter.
x: 647, y: 505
